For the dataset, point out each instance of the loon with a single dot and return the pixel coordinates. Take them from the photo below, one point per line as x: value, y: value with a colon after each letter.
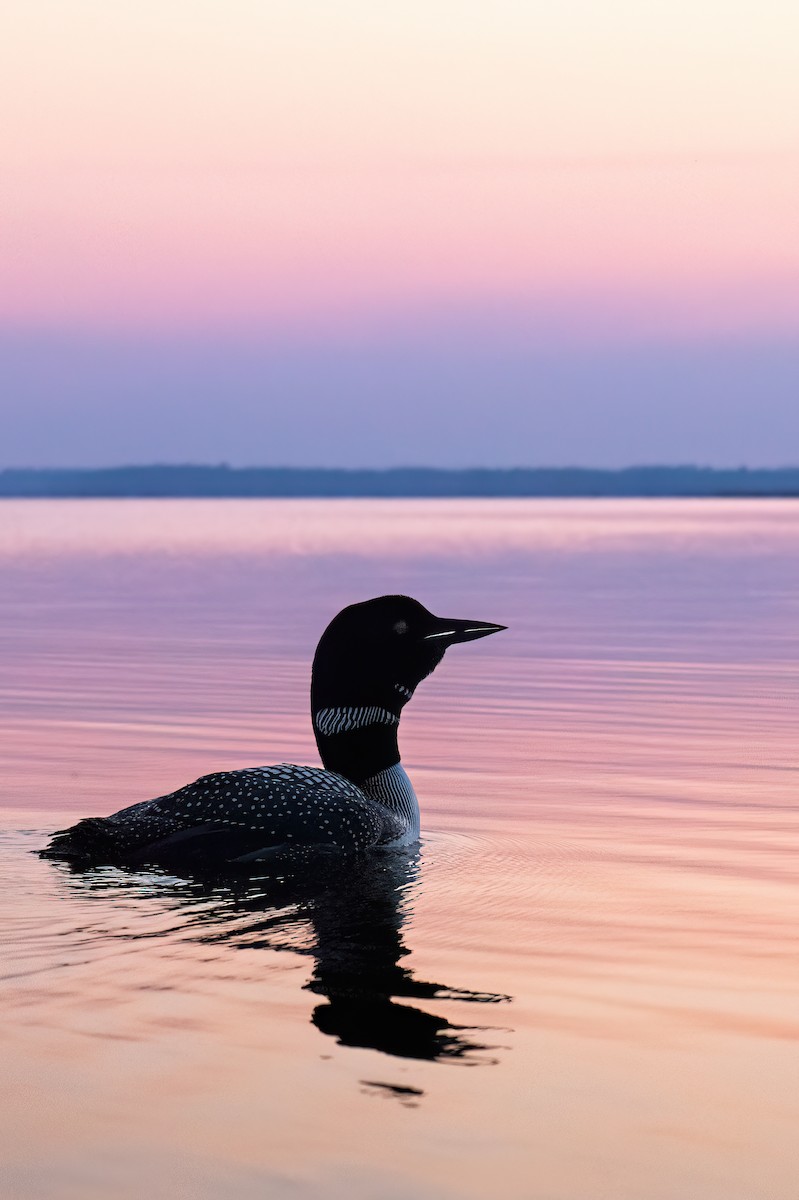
x: 368, y: 663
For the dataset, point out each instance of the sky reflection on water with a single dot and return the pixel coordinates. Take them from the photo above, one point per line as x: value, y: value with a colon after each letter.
x: 607, y: 885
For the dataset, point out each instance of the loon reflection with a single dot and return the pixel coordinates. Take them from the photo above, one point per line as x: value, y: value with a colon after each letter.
x: 354, y: 912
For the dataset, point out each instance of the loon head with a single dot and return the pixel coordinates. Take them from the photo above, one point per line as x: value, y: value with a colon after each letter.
x: 367, y: 665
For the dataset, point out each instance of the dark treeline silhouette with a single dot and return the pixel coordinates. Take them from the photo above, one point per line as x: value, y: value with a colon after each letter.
x: 187, y: 480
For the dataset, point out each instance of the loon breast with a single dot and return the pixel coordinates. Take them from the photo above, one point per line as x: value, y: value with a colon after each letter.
x: 393, y: 789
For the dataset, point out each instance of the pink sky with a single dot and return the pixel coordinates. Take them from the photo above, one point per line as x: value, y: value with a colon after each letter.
x: 184, y: 163
x: 531, y: 174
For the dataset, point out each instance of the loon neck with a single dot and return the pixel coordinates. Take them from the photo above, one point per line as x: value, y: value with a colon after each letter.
x: 357, y: 741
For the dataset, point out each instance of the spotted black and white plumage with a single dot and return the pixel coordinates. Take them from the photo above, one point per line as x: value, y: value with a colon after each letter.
x: 367, y: 665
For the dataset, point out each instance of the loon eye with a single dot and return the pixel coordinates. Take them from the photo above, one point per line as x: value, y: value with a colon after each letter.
x: 400, y: 627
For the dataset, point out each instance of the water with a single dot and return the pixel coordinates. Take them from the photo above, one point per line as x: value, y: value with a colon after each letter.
x: 584, y: 985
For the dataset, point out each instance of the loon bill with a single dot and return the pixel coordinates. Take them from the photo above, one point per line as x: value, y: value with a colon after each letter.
x: 370, y: 660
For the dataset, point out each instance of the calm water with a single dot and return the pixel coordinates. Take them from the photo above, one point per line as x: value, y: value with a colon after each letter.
x: 584, y: 986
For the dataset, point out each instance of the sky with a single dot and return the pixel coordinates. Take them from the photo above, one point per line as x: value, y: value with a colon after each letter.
x: 439, y: 232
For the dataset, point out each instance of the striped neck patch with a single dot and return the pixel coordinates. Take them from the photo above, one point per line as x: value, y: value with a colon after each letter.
x: 342, y: 720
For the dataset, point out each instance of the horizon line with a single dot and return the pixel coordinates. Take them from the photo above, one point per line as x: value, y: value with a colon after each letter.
x: 199, y: 465
x: 219, y: 481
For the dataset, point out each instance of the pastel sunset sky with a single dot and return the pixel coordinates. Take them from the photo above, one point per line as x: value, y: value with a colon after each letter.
x: 371, y: 233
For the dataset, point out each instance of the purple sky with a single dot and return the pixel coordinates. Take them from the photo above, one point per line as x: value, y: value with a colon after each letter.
x: 436, y: 232
x: 85, y: 401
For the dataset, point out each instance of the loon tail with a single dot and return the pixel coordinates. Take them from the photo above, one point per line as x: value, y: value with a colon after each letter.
x: 90, y: 838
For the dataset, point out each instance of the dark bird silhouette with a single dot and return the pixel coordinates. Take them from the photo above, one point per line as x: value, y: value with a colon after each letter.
x: 367, y: 666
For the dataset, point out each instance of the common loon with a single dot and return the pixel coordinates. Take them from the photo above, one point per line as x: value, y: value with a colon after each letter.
x: 366, y: 668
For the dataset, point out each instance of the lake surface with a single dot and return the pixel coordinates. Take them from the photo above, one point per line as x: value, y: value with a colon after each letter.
x: 585, y: 986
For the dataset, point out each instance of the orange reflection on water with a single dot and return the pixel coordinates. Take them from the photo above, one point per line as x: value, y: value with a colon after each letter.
x: 603, y: 919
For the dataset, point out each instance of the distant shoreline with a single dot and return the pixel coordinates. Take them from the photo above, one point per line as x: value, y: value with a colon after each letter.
x: 197, y: 481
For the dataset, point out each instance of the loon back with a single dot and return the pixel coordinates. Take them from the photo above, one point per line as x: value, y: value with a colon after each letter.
x: 367, y: 666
